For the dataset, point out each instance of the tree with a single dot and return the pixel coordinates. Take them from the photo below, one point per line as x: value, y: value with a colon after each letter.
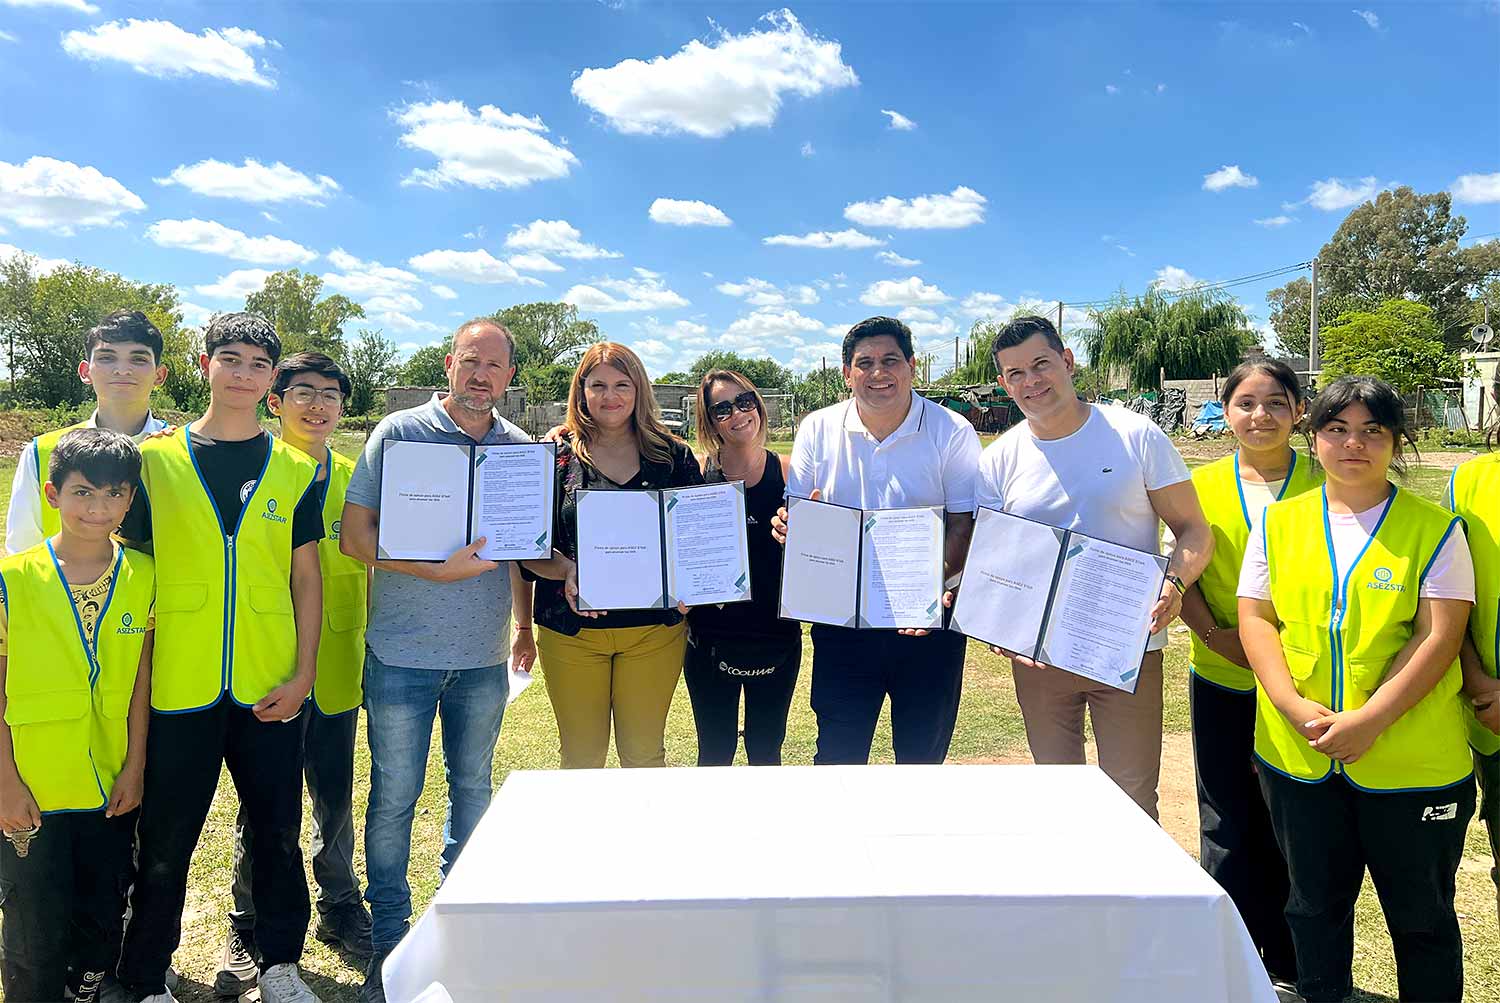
x: 547, y: 333
x: 425, y: 367
x: 289, y: 300
x: 1291, y: 313
x: 767, y: 373
x: 372, y: 364
x: 1399, y: 342
x: 818, y: 388
x: 1402, y: 245
x: 17, y: 290
x: 544, y: 383
x: 1190, y: 337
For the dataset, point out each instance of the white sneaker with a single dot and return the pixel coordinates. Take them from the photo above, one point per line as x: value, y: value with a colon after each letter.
x: 283, y: 984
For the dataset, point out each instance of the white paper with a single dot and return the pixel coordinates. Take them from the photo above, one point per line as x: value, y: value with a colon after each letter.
x: 901, y: 577
x: 1101, y: 615
x: 512, y: 504
x: 820, y: 570
x: 619, y: 550
x: 1007, y: 579
x: 708, y: 556
x: 424, y: 491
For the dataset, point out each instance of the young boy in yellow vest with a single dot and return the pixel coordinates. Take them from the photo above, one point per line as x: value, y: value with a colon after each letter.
x: 308, y: 395
x: 75, y: 655
x: 122, y: 362
x: 235, y: 519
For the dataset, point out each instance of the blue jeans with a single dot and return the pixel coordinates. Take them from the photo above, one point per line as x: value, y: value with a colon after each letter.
x: 400, y: 705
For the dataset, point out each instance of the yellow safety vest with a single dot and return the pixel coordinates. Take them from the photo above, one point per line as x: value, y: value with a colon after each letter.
x: 341, y: 650
x: 1474, y: 494
x: 41, y: 449
x: 1223, y: 499
x: 68, y: 696
x: 224, y: 621
x: 1340, y: 638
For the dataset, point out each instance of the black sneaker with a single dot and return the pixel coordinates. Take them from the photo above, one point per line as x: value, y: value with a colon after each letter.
x: 346, y: 930
x: 238, y: 970
x: 373, y: 991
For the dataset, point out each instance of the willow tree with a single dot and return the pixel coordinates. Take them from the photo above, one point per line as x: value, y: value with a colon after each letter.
x: 1191, y: 336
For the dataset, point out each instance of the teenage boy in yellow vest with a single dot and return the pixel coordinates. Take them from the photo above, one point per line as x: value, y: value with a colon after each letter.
x: 235, y: 519
x: 122, y: 362
x: 75, y: 656
x: 308, y: 395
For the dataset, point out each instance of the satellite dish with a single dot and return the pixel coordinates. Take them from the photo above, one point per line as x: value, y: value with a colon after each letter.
x: 1482, y: 334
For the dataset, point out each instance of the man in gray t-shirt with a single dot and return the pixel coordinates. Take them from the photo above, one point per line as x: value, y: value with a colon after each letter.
x: 437, y: 642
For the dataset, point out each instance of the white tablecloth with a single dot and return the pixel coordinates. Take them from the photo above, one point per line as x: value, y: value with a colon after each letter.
x: 911, y: 883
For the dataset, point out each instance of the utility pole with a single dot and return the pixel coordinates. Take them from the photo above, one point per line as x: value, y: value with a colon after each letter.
x: 955, y: 353
x: 1059, y: 318
x: 1312, y: 326
x: 823, y: 384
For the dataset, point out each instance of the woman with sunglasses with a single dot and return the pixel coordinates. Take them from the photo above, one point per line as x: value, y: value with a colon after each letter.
x: 621, y: 666
x: 742, y: 646
x: 1262, y: 405
x: 1353, y: 603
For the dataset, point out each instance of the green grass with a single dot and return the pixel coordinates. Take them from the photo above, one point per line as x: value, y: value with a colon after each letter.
x: 989, y: 729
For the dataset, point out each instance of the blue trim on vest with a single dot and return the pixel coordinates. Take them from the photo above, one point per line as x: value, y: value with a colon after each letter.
x: 1438, y: 550
x: 90, y: 652
x: 1239, y: 488
x: 1283, y: 773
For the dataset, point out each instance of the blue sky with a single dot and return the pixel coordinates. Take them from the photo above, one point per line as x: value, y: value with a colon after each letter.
x: 936, y: 161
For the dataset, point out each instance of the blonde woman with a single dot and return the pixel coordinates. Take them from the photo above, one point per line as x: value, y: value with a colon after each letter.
x: 742, y: 646
x: 623, y: 666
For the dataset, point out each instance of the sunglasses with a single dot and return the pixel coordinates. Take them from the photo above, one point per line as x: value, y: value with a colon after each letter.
x: 723, y: 409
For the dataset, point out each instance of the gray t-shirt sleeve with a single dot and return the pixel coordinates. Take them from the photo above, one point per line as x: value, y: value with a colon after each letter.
x: 364, y: 483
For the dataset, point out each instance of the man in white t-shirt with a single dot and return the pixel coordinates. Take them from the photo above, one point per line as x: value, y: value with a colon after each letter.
x: 1112, y: 474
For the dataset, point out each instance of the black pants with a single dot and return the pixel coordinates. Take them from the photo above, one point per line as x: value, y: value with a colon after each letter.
x: 62, y: 901
x: 1487, y: 769
x: 1237, y: 845
x: 183, y: 755
x: 854, y: 671
x: 1412, y: 842
x: 714, y: 682
x: 328, y: 749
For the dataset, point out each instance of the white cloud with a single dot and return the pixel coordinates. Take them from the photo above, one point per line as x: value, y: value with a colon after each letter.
x: 161, y: 49
x: 1477, y: 188
x: 394, y: 302
x: 892, y: 258
x: 1161, y: 88
x: 687, y: 212
x: 491, y: 149
x: 983, y: 304
x: 269, y: 217
x: 807, y: 149
x: 236, y: 285
x: 533, y: 263
x: 194, y: 315
x: 685, y: 331
x: 1174, y: 279
x: 209, y: 237
x: 736, y: 82
x: 395, y: 320
x: 899, y: 121
x: 959, y: 208
x: 1369, y: 17
x: 443, y: 292
x: 1333, y: 193
x: 478, y: 267
x: 759, y: 292
x: 917, y: 313
x: 769, y: 329
x: 6, y: 36
x: 554, y: 236
x: 61, y: 196
x: 363, y: 279
x: 81, y: 6
x: 1111, y: 89
x: 993, y: 306
x: 850, y: 240
x: 911, y: 291
x: 645, y: 292
x: 1302, y: 27
x: 1228, y: 176
x: 252, y: 181
x: 1273, y: 222
x: 40, y: 265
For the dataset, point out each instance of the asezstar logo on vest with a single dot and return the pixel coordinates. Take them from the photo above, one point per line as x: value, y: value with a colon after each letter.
x: 270, y: 512
x: 127, y: 626
x: 1383, y: 583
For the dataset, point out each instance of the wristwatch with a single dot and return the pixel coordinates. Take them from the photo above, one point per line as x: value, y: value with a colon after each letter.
x: 1181, y: 588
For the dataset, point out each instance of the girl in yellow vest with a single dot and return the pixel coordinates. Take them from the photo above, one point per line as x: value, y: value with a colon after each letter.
x: 75, y: 657
x: 1474, y: 494
x: 1353, y: 602
x: 1262, y: 404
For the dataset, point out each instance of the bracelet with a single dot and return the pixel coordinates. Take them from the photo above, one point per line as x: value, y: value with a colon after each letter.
x: 1177, y: 583
x: 522, y: 630
x: 1210, y: 633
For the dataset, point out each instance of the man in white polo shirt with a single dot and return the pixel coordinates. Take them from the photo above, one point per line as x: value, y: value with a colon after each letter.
x: 887, y: 448
x: 1112, y: 474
